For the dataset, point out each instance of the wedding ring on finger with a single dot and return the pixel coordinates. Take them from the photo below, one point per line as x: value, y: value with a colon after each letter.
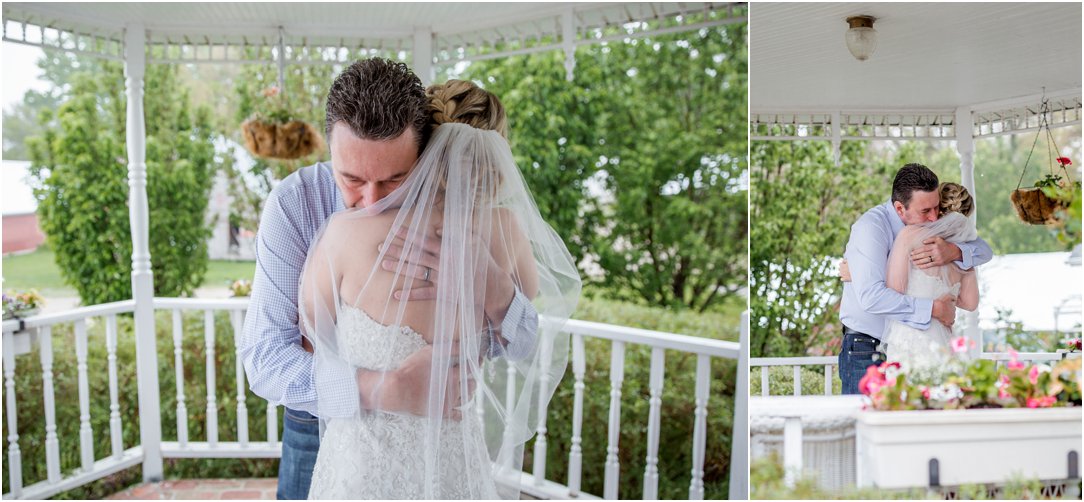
x: 426, y: 276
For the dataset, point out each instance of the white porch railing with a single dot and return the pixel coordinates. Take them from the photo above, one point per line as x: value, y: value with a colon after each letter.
x: 829, y: 367
x: 20, y: 336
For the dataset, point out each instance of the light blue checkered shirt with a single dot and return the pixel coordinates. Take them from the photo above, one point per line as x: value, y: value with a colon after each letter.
x: 278, y: 368
x: 867, y: 301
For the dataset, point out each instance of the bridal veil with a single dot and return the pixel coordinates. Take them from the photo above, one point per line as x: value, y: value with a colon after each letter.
x: 467, y: 186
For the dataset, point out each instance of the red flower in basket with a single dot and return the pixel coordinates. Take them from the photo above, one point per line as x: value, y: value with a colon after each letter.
x: 1064, y: 161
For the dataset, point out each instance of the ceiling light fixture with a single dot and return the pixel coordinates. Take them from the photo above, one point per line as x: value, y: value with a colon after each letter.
x: 861, y: 37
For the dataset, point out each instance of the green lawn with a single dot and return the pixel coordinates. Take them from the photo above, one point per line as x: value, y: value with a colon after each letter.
x: 38, y: 270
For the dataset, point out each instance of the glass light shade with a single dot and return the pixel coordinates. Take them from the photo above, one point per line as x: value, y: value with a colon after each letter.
x: 861, y: 41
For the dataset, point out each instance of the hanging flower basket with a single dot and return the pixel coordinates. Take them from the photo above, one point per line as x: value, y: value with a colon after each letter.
x: 1034, y: 207
x: 272, y: 133
x: 281, y: 140
x: 1045, y: 202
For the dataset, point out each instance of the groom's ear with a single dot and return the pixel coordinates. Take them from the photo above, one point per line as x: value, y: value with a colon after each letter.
x: 899, y: 207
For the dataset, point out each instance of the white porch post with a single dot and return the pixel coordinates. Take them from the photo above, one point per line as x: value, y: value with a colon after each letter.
x: 568, y: 41
x: 739, y: 448
x: 423, y: 54
x: 837, y: 136
x: 150, y: 424
x: 965, y: 148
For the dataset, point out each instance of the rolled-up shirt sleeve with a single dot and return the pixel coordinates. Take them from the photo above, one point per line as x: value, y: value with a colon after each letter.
x: 866, y: 254
x: 974, y: 253
x: 278, y: 368
x: 519, y: 329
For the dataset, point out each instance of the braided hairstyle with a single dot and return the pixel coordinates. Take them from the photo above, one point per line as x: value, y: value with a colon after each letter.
x: 956, y: 198
x: 463, y: 102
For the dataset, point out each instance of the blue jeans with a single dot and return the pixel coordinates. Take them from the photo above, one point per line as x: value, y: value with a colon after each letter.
x: 300, y: 444
x: 859, y: 352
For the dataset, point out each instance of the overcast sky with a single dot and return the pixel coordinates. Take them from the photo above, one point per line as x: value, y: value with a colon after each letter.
x: 20, y: 72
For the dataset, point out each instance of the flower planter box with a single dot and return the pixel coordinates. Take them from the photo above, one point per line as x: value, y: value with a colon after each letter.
x: 897, y: 449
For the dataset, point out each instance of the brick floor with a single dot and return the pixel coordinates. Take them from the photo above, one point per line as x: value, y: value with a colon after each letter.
x: 202, y: 489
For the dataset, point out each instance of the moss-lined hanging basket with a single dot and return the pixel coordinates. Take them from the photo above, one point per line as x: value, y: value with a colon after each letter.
x: 1035, y: 207
x: 281, y: 140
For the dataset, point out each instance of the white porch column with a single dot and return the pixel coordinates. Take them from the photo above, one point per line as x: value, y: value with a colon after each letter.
x: 568, y: 41
x: 150, y: 424
x: 837, y: 136
x: 423, y: 54
x: 965, y: 148
x: 739, y: 448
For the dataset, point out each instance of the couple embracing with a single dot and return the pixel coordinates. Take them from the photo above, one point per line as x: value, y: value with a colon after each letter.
x: 409, y: 298
x: 909, y: 264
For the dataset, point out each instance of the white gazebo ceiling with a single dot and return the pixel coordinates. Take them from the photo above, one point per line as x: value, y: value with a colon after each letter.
x: 384, y: 26
x: 929, y: 56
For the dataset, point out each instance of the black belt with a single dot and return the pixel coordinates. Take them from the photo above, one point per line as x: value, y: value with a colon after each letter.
x: 859, y: 336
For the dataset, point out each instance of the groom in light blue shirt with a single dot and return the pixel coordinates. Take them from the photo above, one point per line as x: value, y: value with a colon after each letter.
x: 868, y: 303
x: 377, y: 123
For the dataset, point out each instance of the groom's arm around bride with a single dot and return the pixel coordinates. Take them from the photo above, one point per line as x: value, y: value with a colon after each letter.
x: 868, y: 303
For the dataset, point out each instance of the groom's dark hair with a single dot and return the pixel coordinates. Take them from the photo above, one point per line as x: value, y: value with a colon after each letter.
x: 912, y: 177
x: 378, y: 99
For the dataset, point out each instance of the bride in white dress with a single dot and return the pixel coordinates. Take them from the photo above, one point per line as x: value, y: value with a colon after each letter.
x: 484, y: 395
x: 924, y: 353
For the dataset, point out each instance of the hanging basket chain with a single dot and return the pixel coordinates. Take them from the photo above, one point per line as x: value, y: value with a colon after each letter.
x: 1044, y: 126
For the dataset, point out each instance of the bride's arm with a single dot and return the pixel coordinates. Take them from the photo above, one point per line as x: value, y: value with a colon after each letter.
x: 969, y: 290
x: 896, y: 272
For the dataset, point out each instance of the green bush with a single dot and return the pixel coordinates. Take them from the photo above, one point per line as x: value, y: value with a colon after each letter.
x: 781, y: 381
x: 81, y: 165
x: 675, y: 448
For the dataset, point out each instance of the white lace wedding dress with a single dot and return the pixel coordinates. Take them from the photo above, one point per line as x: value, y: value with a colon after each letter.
x: 380, y: 455
x: 922, y: 353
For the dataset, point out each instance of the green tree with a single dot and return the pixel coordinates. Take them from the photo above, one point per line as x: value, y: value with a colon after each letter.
x: 659, y: 123
x: 81, y: 166
x: 802, y: 206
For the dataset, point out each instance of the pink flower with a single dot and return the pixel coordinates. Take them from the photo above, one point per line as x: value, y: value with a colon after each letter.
x: 1033, y: 375
x: 872, y: 381
x: 925, y: 392
x: 1014, y: 363
x: 1041, y: 402
x: 961, y: 344
x: 1003, y: 387
x: 1064, y: 161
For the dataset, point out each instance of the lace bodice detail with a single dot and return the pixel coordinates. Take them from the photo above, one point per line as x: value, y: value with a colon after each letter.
x: 921, y: 352
x: 923, y: 285
x: 381, y: 455
x: 365, y: 343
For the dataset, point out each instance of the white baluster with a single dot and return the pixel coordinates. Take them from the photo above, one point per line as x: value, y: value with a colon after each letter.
x: 509, y: 408
x: 575, y: 455
x: 539, y: 469
x: 15, y: 456
x: 792, y: 450
x: 178, y: 368
x: 764, y: 380
x: 797, y: 380
x: 272, y: 425
x: 212, y: 402
x: 242, y: 407
x: 115, y: 430
x: 86, y: 434
x: 651, y: 473
x: 52, y: 443
x: 617, y: 377
x: 700, y: 427
x: 828, y: 379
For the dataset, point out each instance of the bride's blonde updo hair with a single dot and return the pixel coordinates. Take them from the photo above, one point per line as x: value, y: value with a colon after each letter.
x: 463, y: 102
x: 956, y: 198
